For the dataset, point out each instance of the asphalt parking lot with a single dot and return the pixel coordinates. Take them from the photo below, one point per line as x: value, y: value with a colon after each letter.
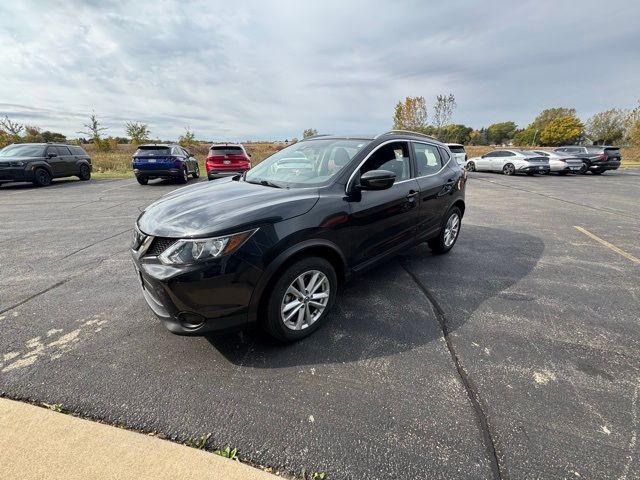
x: 515, y: 356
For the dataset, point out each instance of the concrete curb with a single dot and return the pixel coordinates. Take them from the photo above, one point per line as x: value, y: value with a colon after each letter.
x: 36, y: 443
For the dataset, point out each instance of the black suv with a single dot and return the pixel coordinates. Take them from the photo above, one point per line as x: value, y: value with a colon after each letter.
x: 41, y: 162
x: 271, y: 245
x: 595, y: 159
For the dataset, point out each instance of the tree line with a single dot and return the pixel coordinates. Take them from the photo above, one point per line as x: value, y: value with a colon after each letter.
x: 93, y: 132
x: 551, y: 127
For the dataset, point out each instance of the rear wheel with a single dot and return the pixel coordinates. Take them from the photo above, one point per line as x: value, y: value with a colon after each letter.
x: 41, y: 177
x: 509, y: 169
x: 300, y: 299
x: 530, y: 174
x: 471, y: 166
x: 584, y: 169
x: 449, y: 232
x: 142, y: 181
x: 85, y: 172
x: 185, y: 176
x: 562, y: 172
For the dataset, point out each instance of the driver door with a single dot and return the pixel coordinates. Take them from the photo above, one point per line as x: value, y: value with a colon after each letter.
x: 55, y: 161
x: 384, y: 221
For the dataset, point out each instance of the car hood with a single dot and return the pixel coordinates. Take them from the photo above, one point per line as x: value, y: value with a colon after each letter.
x: 222, y: 206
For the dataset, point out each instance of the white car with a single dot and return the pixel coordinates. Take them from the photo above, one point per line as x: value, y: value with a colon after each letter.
x: 458, y: 152
x: 562, y: 163
x: 510, y: 162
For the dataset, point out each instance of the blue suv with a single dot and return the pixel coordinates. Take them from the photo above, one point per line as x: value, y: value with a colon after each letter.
x: 164, y: 161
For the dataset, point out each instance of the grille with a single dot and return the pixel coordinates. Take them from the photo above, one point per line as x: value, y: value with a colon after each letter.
x: 159, y: 245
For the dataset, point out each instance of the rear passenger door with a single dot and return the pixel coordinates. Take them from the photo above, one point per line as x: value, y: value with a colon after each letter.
x: 434, y: 182
x: 69, y: 161
x: 55, y: 161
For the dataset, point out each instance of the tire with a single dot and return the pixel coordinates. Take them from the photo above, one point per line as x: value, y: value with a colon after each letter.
x: 509, y: 169
x: 529, y: 174
x: 470, y: 167
x: 280, y: 296
x: 562, y: 172
x: 185, y: 176
x: 597, y: 172
x: 142, y: 181
x: 85, y: 172
x: 584, y: 169
x: 196, y: 173
x: 443, y: 242
x: 41, y: 177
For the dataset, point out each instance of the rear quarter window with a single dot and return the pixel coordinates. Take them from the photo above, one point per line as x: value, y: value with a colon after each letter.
x: 75, y: 150
x: 456, y: 149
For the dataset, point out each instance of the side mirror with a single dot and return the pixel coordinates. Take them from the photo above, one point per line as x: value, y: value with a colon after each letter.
x: 377, y: 180
x: 51, y: 155
x: 249, y: 155
x: 483, y: 156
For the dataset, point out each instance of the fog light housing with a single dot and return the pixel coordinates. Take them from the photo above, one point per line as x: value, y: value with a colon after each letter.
x: 191, y: 320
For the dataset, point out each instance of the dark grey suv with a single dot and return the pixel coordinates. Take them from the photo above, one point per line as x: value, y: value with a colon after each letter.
x: 41, y: 162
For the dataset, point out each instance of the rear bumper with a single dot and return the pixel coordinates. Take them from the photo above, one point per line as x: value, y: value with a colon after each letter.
x: 151, y: 174
x: 606, y: 165
x: 566, y: 168
x: 213, y: 174
x: 534, y: 169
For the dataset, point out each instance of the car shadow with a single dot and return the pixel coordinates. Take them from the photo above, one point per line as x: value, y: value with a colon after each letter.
x: 29, y: 185
x: 384, y: 312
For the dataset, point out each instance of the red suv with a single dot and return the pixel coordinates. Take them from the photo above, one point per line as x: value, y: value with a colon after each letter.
x: 227, y: 159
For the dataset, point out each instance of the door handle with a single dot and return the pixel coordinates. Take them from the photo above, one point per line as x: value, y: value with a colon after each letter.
x: 411, y: 195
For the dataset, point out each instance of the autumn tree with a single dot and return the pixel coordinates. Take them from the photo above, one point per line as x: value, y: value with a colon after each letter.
x: 10, y: 131
x: 561, y: 131
x: 608, y: 126
x: 455, y: 133
x: 188, y: 139
x: 138, y: 132
x: 443, y: 111
x: 94, y: 130
x: 548, y: 115
x: 309, y: 132
x: 501, y: 132
x: 411, y: 114
x: 632, y: 126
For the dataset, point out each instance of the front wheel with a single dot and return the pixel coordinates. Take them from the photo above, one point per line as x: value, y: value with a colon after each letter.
x: 300, y: 299
x: 584, y: 169
x: 41, y: 177
x: 509, y: 169
x: 470, y: 167
x: 85, y: 173
x: 449, y: 232
x: 196, y: 173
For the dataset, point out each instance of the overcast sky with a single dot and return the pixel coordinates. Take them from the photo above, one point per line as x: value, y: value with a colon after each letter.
x: 242, y: 70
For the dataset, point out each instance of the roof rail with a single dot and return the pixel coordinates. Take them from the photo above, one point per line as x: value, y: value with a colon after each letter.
x: 396, y: 131
x: 316, y: 136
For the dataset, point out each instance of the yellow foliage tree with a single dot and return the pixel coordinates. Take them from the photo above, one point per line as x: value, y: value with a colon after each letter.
x: 562, y: 131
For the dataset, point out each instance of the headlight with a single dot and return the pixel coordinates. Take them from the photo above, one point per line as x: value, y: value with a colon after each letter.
x: 18, y: 163
x: 202, y: 249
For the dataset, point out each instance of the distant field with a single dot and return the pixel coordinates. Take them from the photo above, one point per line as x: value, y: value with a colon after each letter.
x: 118, y: 162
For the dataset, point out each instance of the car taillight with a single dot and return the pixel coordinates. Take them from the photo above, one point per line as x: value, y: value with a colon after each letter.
x: 603, y: 156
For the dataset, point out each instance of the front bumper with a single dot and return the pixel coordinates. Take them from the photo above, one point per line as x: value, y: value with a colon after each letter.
x: 16, y: 174
x: 202, y: 298
x: 151, y: 174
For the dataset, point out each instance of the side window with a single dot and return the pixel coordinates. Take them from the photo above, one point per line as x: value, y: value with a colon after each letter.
x: 491, y: 154
x: 78, y: 151
x: 393, y: 157
x: 62, y: 151
x: 444, y: 155
x: 508, y: 154
x: 427, y: 158
x: 177, y: 151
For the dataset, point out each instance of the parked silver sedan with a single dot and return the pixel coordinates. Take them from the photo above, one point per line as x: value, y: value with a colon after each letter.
x: 510, y: 162
x: 562, y: 163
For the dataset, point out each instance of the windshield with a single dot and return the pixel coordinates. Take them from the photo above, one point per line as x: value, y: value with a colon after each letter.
x: 306, y: 164
x: 22, y: 151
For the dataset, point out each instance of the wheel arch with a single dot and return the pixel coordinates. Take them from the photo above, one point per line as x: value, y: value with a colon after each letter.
x: 320, y: 248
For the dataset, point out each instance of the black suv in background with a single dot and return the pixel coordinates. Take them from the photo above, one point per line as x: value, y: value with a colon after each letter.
x: 41, y: 162
x: 271, y: 245
x: 596, y: 159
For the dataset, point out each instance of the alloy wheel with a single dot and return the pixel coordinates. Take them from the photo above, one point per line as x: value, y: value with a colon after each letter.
x: 305, y: 300
x: 451, y: 230
x: 509, y: 169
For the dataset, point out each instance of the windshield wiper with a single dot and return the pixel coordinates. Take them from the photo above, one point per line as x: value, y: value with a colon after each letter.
x: 266, y: 183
